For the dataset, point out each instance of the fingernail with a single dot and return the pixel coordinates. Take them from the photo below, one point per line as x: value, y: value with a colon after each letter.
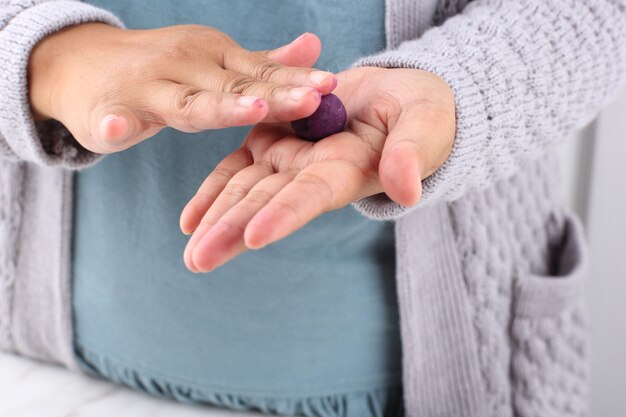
x: 297, y: 94
x: 322, y: 77
x: 250, y: 101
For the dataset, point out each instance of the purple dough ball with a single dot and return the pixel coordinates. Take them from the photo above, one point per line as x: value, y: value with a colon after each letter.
x: 329, y: 118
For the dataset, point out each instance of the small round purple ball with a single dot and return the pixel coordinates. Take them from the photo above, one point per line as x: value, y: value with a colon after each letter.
x: 329, y: 118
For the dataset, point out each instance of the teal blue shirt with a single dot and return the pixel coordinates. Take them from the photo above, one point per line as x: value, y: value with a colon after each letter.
x: 306, y: 326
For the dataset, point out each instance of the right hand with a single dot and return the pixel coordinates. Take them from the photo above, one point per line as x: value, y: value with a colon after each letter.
x: 112, y: 88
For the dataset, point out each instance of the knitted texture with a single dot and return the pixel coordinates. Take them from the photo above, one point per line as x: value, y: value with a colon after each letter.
x: 489, y: 266
x: 550, y: 365
x: 525, y: 75
x: 448, y: 8
x: 34, y: 315
x: 23, y: 23
x: 11, y: 174
x: 490, y: 296
x: 514, y: 241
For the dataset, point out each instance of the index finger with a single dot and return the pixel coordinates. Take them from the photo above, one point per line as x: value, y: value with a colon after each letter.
x: 321, y: 187
x: 258, y: 66
x: 211, y: 187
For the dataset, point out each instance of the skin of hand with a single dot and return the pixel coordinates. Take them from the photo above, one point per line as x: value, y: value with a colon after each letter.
x: 401, y: 128
x: 112, y: 88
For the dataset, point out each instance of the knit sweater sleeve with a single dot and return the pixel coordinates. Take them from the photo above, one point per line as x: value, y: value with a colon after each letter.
x: 23, y: 23
x: 525, y: 74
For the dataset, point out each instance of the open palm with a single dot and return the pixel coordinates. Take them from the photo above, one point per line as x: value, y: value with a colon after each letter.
x: 275, y: 183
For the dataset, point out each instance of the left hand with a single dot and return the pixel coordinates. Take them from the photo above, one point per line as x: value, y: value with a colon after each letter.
x: 401, y: 127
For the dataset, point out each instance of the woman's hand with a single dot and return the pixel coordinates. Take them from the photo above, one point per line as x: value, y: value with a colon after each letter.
x: 113, y: 88
x: 401, y: 126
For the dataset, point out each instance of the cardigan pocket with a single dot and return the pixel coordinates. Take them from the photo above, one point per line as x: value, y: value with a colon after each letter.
x: 550, y: 352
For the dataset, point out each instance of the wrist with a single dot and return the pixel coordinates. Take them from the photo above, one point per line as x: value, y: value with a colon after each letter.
x: 50, y: 65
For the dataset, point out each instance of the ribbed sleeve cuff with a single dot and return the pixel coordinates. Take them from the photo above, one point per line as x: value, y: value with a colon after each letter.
x: 471, y: 126
x: 524, y: 74
x: 47, y: 143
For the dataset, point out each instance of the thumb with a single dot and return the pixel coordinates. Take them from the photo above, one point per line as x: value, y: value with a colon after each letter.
x: 304, y: 51
x: 116, y: 128
x: 401, y: 163
x: 113, y: 127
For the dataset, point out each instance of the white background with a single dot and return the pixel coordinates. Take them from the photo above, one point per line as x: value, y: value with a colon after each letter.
x: 594, y: 168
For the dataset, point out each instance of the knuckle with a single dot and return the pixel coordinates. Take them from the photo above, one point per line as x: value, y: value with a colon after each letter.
x: 316, y: 186
x: 238, y: 84
x: 265, y: 70
x: 425, y: 109
x: 261, y: 197
x: 185, y: 102
x: 208, y: 222
x: 198, y: 203
x: 235, y: 191
x: 389, y: 100
x: 185, y: 98
x: 272, y: 91
x: 222, y: 173
x: 232, y: 225
x: 289, y: 207
x: 387, y: 107
x: 233, y: 54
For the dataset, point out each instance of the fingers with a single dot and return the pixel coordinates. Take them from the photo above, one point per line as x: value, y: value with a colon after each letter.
x: 293, y: 153
x: 263, y: 136
x: 257, y: 66
x: 319, y: 188
x: 284, y: 65
x: 181, y: 107
x: 225, y: 240
x: 236, y: 190
x: 115, y: 128
x: 302, y: 52
x: 400, y: 169
x: 415, y: 147
x: 258, y: 207
x: 191, y: 109
x: 286, y: 102
x: 256, y: 74
x: 211, y: 187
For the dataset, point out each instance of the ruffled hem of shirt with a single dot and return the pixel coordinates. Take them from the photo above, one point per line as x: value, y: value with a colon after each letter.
x: 384, y: 401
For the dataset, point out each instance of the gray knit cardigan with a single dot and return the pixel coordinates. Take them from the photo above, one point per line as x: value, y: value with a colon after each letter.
x: 489, y: 264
